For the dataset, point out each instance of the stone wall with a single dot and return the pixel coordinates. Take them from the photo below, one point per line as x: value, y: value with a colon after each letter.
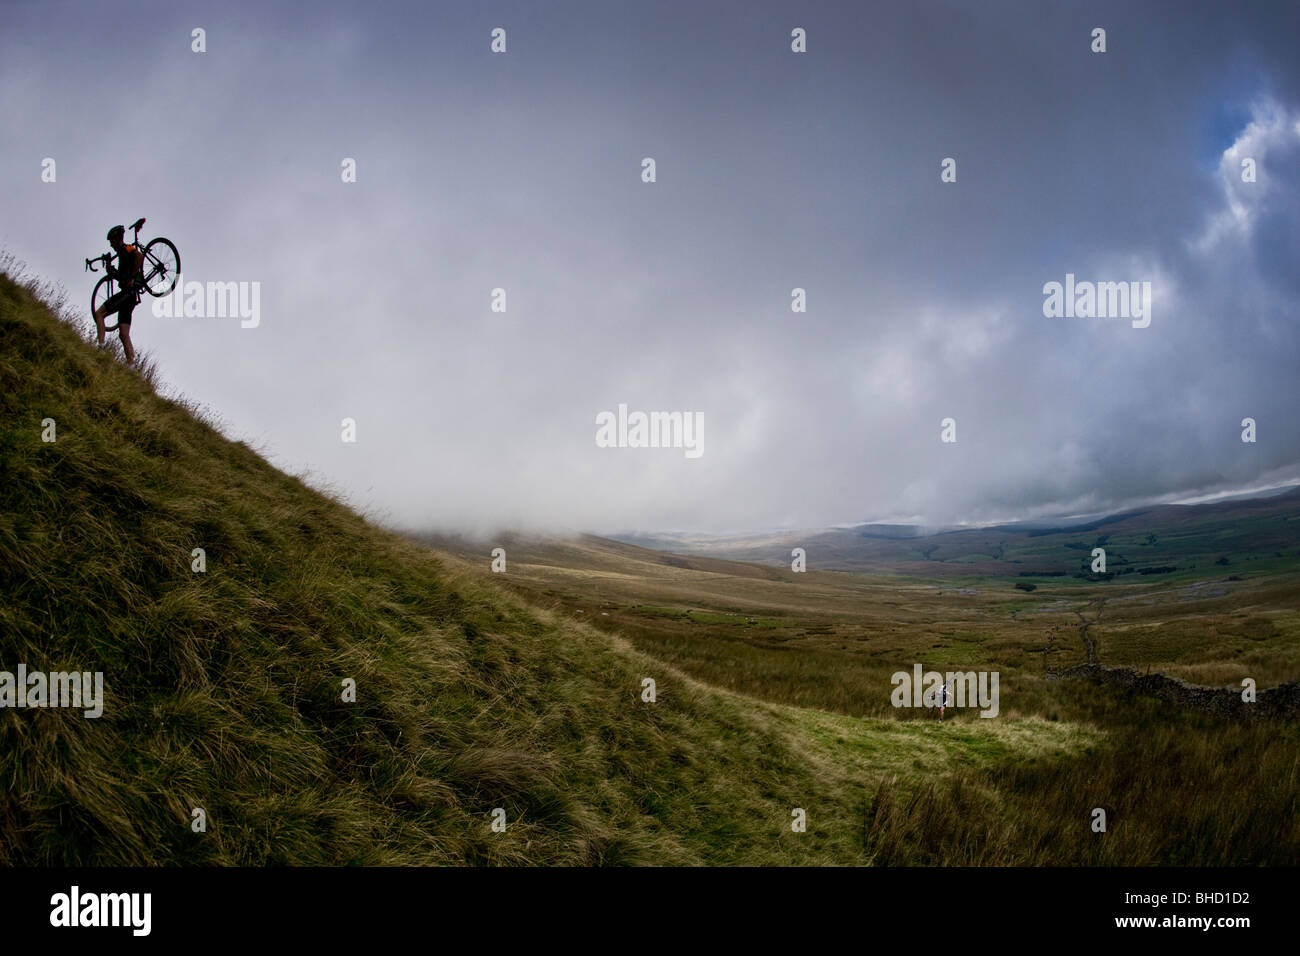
x: 1282, y: 701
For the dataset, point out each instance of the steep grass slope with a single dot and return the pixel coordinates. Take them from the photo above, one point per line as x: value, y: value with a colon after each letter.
x: 223, y: 690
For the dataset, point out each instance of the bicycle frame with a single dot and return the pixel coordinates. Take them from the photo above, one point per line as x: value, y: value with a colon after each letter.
x: 108, y: 257
x: 150, y: 269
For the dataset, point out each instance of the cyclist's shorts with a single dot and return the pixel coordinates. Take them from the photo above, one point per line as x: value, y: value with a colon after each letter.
x: 123, y: 303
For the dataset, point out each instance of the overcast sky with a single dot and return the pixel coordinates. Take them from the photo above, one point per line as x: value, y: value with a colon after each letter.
x: 775, y: 170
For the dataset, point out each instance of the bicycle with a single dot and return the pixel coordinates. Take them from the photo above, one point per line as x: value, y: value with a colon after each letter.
x: 162, y: 265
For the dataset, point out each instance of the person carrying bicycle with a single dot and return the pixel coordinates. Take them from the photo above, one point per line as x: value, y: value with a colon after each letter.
x: 129, y: 278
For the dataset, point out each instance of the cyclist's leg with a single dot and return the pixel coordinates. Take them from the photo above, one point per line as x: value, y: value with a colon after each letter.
x: 111, y: 305
x: 124, y: 331
x: 99, y: 323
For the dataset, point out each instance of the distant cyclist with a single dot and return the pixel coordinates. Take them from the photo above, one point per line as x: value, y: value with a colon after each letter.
x: 130, y: 279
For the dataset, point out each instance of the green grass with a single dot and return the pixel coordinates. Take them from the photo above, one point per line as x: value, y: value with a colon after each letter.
x: 1179, y: 788
x: 223, y: 689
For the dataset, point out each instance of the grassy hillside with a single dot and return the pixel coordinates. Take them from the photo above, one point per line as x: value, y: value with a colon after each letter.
x: 1180, y: 788
x: 223, y: 689
x: 224, y: 692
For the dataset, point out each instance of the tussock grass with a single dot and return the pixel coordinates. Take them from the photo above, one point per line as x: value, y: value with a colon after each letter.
x: 223, y: 688
x: 1179, y: 788
x: 1177, y: 791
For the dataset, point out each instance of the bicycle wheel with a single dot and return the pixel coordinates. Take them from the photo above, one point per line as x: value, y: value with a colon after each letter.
x: 103, y: 291
x: 162, y: 264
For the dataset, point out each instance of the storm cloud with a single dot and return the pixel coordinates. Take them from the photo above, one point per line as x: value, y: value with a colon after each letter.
x: 775, y: 170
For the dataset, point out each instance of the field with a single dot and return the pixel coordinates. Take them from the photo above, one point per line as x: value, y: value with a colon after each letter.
x: 1178, y: 786
x: 226, y: 687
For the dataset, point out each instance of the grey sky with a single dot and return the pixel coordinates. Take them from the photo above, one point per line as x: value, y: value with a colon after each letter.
x: 775, y: 170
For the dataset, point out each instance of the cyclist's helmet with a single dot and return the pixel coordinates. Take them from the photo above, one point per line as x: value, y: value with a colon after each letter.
x: 117, y: 232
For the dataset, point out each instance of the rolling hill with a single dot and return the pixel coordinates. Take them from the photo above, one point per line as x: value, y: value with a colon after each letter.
x: 1249, y: 534
x: 225, y: 689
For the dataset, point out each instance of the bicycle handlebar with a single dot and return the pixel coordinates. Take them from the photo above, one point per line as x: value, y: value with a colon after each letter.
x: 90, y: 263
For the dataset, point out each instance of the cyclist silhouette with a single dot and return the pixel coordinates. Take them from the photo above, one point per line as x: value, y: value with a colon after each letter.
x: 130, y: 279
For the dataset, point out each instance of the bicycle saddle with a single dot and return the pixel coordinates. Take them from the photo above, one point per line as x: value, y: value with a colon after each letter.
x: 137, y: 224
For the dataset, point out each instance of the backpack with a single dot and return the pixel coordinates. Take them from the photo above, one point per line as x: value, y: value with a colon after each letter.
x: 136, y: 275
